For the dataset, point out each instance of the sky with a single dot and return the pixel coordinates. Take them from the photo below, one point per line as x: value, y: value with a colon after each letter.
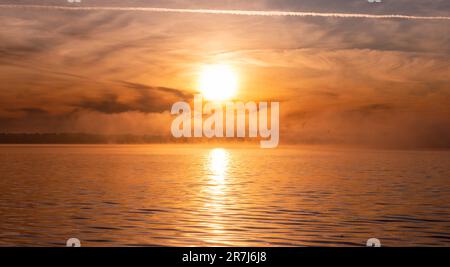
x: 354, y: 81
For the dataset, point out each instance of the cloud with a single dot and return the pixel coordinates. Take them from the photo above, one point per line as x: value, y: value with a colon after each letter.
x: 92, y: 122
x: 146, y: 89
x: 148, y: 100
x: 370, y: 109
x: 232, y: 12
x: 30, y: 111
x: 374, y: 125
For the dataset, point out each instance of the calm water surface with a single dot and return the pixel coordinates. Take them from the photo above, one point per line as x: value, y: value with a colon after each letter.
x: 178, y: 195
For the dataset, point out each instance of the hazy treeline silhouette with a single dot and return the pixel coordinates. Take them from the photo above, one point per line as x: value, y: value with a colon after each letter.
x: 85, y: 138
x: 77, y: 138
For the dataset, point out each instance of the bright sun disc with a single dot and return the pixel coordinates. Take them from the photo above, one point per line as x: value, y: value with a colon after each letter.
x: 218, y: 82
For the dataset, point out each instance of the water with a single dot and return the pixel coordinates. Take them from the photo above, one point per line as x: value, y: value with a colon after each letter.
x: 178, y: 195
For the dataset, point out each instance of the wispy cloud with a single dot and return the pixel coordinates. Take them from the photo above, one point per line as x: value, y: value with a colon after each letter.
x: 234, y: 12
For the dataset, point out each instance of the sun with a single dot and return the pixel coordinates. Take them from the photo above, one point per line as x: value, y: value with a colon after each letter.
x: 218, y: 82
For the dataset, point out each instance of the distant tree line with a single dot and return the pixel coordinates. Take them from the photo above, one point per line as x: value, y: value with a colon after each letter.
x: 77, y: 138
x: 84, y: 138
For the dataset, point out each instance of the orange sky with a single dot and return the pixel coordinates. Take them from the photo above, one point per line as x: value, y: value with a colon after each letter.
x: 376, y: 82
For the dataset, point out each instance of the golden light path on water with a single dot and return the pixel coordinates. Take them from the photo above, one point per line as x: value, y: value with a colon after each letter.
x: 218, y: 161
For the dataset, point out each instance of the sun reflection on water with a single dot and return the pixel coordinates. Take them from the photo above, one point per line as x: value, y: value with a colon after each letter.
x: 218, y: 164
x: 216, y: 190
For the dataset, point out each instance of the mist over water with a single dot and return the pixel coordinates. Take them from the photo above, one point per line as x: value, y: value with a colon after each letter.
x: 180, y: 195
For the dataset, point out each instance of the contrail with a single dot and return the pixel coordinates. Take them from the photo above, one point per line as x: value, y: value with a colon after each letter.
x: 231, y: 12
